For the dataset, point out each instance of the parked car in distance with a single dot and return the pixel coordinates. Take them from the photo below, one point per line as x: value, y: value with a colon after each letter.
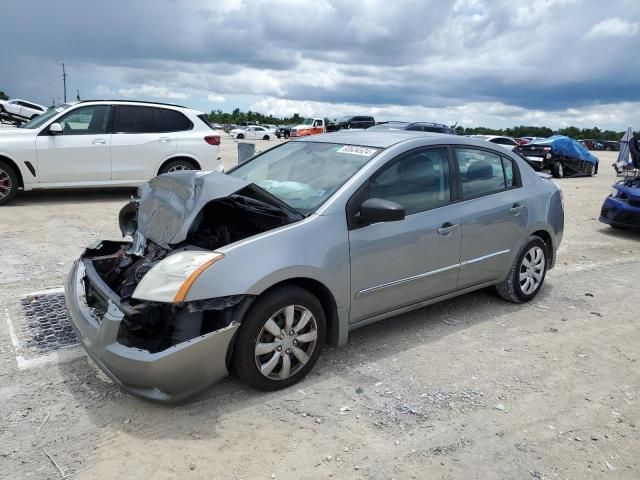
x: 255, y: 132
x: 507, y: 141
x: 346, y: 123
x: 259, y: 268
x: 105, y: 143
x: 621, y: 209
x: 313, y: 126
x: 284, y: 131
x: 562, y: 156
x: 592, y: 144
x: 521, y: 141
x: 21, y: 109
x: 609, y: 145
x: 414, y: 127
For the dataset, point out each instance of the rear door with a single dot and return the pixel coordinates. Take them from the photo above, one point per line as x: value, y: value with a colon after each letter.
x: 141, y: 142
x: 494, y: 214
x: 400, y: 263
x: 82, y: 152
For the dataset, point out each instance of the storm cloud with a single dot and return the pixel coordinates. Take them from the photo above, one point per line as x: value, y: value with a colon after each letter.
x: 553, y: 61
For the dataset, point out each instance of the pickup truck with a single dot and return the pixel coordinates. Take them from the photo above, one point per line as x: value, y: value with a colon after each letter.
x: 21, y: 109
x: 313, y: 126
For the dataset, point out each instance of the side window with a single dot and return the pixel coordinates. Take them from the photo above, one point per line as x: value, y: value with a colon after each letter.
x: 90, y: 120
x: 177, y: 121
x: 507, y: 165
x: 419, y: 181
x: 134, y: 119
x: 480, y: 172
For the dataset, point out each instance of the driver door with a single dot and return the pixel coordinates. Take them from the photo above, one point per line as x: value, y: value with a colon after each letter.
x: 82, y: 152
x: 400, y: 263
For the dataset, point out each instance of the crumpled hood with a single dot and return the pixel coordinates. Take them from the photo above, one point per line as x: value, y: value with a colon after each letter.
x: 168, y: 204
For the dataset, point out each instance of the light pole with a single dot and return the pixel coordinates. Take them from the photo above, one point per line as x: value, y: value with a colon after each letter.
x: 64, y: 82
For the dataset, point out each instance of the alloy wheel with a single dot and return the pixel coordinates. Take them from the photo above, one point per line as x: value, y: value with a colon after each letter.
x: 286, y: 342
x: 532, y: 270
x: 5, y: 184
x: 179, y: 168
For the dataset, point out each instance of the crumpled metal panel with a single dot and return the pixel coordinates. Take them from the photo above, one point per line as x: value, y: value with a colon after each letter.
x: 168, y: 204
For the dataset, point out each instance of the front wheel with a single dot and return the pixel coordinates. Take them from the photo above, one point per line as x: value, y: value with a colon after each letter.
x: 527, y: 273
x: 240, y: 136
x: 8, y: 183
x: 266, y: 137
x: 177, y: 166
x: 280, y: 338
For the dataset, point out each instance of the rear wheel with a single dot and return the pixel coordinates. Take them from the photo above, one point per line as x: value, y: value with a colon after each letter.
x: 240, y: 136
x: 527, y: 272
x: 558, y: 170
x: 266, y: 137
x: 8, y: 183
x: 177, y: 166
x: 279, y: 340
x: 286, y: 135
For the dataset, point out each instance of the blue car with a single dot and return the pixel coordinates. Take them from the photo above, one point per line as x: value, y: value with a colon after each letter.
x: 621, y: 209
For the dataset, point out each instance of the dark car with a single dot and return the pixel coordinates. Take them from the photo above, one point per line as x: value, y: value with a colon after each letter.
x: 610, y: 145
x: 283, y: 131
x: 561, y: 155
x: 415, y: 127
x: 356, y: 122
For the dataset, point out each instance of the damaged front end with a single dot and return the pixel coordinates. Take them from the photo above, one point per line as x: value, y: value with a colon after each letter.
x: 129, y: 300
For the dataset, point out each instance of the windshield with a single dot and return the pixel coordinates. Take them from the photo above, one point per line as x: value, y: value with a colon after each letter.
x: 304, y: 174
x: 45, y: 117
x: 308, y: 121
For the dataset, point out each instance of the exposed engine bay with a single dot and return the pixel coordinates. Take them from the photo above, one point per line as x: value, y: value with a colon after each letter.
x: 120, y: 266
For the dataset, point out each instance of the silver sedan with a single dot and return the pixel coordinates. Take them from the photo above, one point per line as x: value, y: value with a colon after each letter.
x: 254, y: 271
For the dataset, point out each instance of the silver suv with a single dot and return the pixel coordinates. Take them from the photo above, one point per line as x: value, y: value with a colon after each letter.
x: 255, y: 270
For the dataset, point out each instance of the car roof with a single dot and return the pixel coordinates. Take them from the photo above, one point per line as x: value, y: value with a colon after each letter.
x: 386, y: 138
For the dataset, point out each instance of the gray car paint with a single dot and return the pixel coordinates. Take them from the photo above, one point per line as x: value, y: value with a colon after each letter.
x: 383, y: 269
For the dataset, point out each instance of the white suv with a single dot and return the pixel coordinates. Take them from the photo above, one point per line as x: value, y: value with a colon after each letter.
x: 105, y: 144
x: 21, y: 109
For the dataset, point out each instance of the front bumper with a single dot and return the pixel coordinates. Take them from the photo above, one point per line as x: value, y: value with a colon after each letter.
x: 618, y: 213
x: 169, y: 375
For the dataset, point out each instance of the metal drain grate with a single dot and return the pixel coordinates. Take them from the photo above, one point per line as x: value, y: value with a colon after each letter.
x: 40, y: 328
x: 46, y: 324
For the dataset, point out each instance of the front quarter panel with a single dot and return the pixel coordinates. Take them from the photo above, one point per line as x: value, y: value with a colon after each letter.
x: 314, y: 248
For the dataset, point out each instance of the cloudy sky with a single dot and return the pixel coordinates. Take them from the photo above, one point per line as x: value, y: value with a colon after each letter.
x: 475, y: 62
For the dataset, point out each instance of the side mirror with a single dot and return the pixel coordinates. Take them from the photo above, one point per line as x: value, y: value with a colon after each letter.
x: 376, y: 210
x: 55, y: 129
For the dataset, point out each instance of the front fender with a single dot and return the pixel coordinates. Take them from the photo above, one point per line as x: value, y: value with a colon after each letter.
x: 315, y: 248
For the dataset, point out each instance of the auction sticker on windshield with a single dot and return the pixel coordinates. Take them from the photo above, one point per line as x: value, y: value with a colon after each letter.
x: 355, y: 150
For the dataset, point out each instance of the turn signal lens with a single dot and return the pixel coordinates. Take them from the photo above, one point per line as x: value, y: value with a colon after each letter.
x: 193, y: 276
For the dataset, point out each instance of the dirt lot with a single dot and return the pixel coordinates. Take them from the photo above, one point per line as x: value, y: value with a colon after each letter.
x: 473, y: 388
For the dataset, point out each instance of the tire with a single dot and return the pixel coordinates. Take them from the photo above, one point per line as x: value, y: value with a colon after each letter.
x: 557, y: 170
x: 240, y: 136
x: 177, y: 166
x: 519, y: 290
x: 8, y: 183
x: 266, y: 137
x: 286, y: 136
x: 273, y: 308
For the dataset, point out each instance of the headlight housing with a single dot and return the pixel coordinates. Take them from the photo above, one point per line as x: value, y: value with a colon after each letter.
x: 171, y: 279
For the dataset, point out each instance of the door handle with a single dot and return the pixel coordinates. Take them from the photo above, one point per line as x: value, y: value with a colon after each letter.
x: 447, y: 228
x: 99, y: 141
x: 165, y: 139
x: 516, y: 208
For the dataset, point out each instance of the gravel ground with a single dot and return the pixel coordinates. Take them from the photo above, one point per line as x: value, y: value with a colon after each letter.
x: 472, y: 388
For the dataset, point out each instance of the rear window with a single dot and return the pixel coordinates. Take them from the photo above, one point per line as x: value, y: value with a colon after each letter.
x: 135, y: 119
x: 177, y: 121
x: 205, y: 120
